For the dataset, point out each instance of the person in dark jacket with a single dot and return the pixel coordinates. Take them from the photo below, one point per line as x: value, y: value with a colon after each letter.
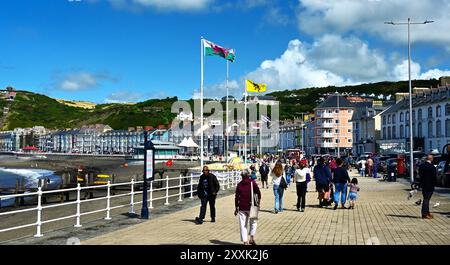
x: 264, y: 171
x: 340, y: 180
x: 242, y: 203
x: 322, y: 176
x: 427, y: 173
x: 207, y: 189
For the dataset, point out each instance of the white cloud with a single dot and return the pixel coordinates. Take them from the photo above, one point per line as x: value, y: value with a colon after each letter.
x: 81, y: 81
x: 217, y: 91
x: 124, y: 97
x: 400, y: 72
x: 318, y: 17
x: 161, y: 5
x: 274, y: 16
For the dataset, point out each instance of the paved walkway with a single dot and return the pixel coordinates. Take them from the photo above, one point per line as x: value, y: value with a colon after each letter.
x: 383, y: 214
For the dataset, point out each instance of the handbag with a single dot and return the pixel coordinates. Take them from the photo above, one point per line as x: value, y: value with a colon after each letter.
x: 254, y: 209
x: 283, y: 183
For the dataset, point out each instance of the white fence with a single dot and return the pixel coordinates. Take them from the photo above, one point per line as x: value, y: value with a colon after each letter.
x: 227, y: 180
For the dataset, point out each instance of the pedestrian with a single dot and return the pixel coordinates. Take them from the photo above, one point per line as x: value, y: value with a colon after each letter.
x: 242, y: 202
x: 289, y: 171
x: 340, y: 180
x: 353, y: 194
x: 279, y: 185
x: 370, y: 166
x: 427, y: 173
x: 362, y: 167
x: 207, y: 189
x: 253, y: 172
x: 264, y: 172
x: 322, y: 176
x: 302, y: 177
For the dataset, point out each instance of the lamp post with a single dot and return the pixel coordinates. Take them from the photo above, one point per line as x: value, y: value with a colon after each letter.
x: 411, y: 144
x: 149, y: 167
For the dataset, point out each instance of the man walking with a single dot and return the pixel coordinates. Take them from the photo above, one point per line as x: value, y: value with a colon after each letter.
x: 264, y: 171
x: 207, y: 189
x: 427, y: 173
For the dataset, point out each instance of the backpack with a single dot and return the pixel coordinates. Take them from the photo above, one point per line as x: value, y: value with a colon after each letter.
x: 283, y: 183
x: 308, y: 177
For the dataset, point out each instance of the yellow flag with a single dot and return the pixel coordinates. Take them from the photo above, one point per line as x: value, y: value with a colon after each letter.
x: 255, y: 88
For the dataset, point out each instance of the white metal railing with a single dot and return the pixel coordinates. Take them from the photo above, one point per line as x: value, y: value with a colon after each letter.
x: 227, y: 180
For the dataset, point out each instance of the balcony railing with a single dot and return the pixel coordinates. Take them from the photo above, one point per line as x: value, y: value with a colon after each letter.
x: 327, y: 115
x: 327, y: 125
x: 328, y: 145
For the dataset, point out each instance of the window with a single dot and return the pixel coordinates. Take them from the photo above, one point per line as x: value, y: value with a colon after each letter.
x: 419, y: 129
x: 337, y: 141
x: 447, y: 128
x: 430, y: 129
x: 389, y: 133
x: 401, y: 116
x: 419, y: 114
x: 394, y: 132
x: 384, y: 133
x: 401, y: 132
x: 438, y: 111
x: 337, y: 111
x: 389, y: 119
x: 407, y: 131
x: 337, y: 121
x: 414, y: 115
x: 349, y: 140
x: 438, y: 128
x: 393, y: 119
x: 447, y: 109
x: 336, y: 131
x: 407, y: 116
x: 384, y: 120
x: 350, y: 111
x: 349, y: 130
x: 430, y: 112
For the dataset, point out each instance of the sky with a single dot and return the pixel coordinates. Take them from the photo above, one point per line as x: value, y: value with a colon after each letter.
x: 131, y: 50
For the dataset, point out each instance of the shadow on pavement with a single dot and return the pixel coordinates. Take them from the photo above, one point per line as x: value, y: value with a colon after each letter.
x: 403, y: 216
x: 188, y: 220
x: 220, y: 242
x: 447, y: 214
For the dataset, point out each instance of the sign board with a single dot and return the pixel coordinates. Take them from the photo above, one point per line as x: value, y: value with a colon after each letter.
x: 215, y: 122
x: 149, y: 164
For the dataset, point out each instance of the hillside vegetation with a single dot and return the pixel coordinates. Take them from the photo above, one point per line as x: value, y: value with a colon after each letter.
x: 31, y: 109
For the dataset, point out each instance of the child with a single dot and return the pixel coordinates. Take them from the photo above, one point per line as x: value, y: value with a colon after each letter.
x: 353, y: 195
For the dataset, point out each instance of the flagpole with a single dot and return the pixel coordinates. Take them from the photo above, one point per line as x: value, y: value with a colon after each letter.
x: 201, y: 101
x: 226, y: 127
x: 245, y: 135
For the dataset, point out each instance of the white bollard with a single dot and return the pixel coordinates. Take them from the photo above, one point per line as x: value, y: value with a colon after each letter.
x: 167, y: 191
x: 132, y: 198
x: 39, y: 212
x: 108, y: 202
x: 78, y: 205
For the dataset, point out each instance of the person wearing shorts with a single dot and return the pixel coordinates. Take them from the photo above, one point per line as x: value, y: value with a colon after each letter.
x: 353, y: 194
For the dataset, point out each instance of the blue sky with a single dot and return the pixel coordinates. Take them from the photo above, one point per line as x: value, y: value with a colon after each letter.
x: 132, y: 50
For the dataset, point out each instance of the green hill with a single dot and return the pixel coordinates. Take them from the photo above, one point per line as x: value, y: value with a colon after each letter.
x: 31, y: 109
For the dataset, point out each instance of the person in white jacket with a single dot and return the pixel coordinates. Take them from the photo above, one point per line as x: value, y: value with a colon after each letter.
x: 302, y: 177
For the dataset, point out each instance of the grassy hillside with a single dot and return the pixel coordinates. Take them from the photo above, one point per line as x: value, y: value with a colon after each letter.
x: 30, y: 109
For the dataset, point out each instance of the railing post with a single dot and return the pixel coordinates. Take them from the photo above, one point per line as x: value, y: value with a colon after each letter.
x: 167, y: 191
x: 151, y: 195
x: 108, y: 202
x: 78, y: 205
x: 132, y: 198
x: 179, y: 198
x: 39, y: 212
x: 223, y: 182
x: 192, y: 186
x: 228, y: 179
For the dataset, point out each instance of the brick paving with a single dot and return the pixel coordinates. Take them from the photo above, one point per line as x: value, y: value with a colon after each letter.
x: 382, y: 214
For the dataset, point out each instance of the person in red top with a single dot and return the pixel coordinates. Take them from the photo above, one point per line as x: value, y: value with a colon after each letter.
x: 242, y: 202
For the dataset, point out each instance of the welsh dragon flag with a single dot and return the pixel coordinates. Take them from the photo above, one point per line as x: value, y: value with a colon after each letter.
x: 214, y: 49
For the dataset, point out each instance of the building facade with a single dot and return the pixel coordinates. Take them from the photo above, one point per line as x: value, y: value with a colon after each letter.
x: 333, y: 126
x: 431, y: 122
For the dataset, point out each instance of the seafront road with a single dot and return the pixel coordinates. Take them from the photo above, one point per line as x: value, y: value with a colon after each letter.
x: 383, y: 215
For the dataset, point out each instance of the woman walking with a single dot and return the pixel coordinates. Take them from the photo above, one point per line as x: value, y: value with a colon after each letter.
x: 242, y: 202
x: 279, y: 185
x: 322, y: 175
x: 302, y: 177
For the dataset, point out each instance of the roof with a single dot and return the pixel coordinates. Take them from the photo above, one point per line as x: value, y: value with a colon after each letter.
x: 332, y: 102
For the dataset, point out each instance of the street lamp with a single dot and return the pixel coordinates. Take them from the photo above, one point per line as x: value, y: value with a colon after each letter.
x: 411, y: 145
x: 149, y: 167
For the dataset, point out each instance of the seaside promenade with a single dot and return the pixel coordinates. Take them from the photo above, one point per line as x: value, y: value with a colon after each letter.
x: 382, y: 215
